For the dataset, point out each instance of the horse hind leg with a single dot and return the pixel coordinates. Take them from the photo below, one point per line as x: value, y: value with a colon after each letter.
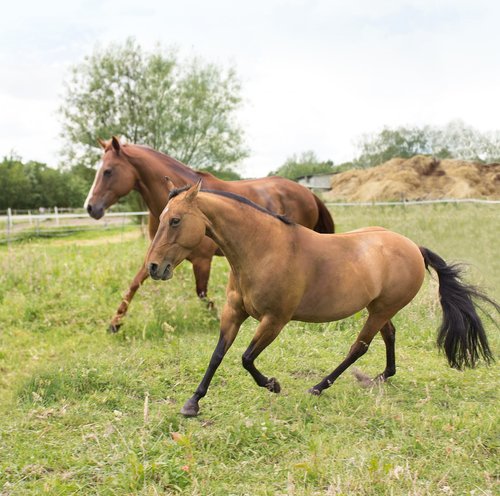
x: 388, y: 333
x: 373, y: 324
x: 201, y: 270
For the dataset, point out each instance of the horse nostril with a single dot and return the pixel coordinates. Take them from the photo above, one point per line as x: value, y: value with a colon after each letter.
x: 89, y: 208
x: 152, y: 267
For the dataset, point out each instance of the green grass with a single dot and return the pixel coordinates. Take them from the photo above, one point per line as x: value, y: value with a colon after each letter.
x: 90, y: 231
x: 72, y: 398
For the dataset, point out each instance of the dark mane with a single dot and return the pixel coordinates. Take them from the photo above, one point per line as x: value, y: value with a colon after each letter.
x: 177, y: 191
x: 234, y: 196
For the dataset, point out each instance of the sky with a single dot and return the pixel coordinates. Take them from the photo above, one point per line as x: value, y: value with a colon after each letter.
x: 316, y: 74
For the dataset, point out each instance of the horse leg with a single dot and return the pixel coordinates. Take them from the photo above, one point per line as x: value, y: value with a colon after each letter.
x: 373, y: 324
x: 231, y: 320
x: 139, y: 278
x: 265, y: 334
x: 201, y: 270
x: 388, y: 333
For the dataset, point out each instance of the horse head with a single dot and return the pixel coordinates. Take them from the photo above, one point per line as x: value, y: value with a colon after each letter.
x: 182, y: 228
x: 115, y: 178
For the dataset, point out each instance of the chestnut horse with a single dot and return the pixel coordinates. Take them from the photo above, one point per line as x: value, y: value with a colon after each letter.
x: 281, y: 271
x: 126, y: 167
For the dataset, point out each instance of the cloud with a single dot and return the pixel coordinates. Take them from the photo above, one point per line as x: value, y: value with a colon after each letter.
x: 316, y: 74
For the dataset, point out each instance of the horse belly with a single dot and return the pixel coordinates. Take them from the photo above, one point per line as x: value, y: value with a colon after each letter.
x: 329, y: 303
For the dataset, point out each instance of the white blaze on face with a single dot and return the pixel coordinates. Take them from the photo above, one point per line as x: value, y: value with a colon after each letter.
x: 91, y: 192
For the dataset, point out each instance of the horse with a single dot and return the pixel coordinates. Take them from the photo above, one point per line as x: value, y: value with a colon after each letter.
x: 281, y: 271
x: 127, y: 166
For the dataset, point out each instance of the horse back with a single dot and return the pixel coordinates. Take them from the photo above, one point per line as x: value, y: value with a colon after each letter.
x: 281, y: 196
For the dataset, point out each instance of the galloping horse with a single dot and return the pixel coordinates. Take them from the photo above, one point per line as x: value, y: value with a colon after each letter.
x: 127, y: 167
x: 281, y: 272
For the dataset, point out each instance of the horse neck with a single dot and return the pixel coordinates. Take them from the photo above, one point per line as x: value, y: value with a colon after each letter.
x: 239, y: 232
x: 152, y: 167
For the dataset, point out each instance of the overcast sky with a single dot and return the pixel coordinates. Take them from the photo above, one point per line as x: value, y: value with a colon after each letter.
x: 316, y: 74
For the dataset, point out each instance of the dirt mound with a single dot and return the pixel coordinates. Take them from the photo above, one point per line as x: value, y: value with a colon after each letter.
x: 418, y: 178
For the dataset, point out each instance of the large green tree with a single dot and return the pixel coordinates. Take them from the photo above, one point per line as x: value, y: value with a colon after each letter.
x: 185, y: 109
x: 454, y: 140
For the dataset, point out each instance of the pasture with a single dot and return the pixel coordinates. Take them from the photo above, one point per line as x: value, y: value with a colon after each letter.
x: 85, y: 412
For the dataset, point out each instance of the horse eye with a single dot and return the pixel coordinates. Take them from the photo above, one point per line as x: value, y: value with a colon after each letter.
x: 175, y: 221
x: 107, y: 173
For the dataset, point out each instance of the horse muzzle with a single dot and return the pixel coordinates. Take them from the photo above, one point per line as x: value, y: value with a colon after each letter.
x: 95, y: 211
x: 157, y: 272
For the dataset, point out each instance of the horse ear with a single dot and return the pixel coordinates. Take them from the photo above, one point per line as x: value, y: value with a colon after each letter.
x: 193, y: 191
x: 102, y: 143
x: 115, y: 142
x: 170, y: 184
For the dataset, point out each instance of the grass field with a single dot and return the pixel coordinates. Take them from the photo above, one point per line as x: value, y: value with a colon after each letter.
x: 84, y: 412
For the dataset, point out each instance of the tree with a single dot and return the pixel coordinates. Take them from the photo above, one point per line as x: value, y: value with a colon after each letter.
x: 454, y: 140
x: 33, y: 184
x: 14, y: 184
x: 305, y: 164
x: 185, y: 110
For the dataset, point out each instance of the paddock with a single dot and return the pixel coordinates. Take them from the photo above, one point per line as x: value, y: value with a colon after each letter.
x: 86, y: 411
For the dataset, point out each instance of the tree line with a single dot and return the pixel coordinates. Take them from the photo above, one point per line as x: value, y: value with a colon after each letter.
x: 187, y: 109
x: 32, y: 185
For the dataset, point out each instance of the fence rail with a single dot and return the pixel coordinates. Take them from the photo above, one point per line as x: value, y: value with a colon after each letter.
x: 411, y: 202
x: 15, y: 227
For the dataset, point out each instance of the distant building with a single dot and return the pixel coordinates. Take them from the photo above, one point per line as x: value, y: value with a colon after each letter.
x: 317, y: 181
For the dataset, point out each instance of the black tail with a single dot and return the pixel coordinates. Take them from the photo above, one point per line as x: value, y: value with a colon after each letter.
x: 461, y: 334
x: 325, y: 222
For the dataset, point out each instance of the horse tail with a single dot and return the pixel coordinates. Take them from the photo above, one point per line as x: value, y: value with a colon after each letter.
x: 325, y: 222
x: 461, y: 334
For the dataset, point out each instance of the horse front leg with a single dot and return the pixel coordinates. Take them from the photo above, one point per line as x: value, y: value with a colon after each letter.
x: 265, y: 334
x: 231, y: 320
x: 116, y: 321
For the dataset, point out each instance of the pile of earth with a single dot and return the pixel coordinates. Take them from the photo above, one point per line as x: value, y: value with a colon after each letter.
x: 417, y: 178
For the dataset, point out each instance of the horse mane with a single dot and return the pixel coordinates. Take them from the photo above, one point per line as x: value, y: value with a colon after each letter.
x: 177, y: 191
x: 172, y: 162
x: 238, y: 198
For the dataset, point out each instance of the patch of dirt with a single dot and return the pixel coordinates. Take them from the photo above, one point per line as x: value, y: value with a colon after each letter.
x: 417, y: 178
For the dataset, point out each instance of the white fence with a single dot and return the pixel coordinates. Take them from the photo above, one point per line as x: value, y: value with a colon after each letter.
x: 410, y: 202
x: 16, y: 226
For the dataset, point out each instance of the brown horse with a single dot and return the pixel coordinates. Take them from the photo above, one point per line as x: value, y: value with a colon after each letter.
x: 127, y: 167
x: 281, y: 272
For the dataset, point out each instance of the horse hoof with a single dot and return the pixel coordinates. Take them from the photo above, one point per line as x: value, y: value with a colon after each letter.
x: 114, y: 328
x: 273, y: 385
x: 314, y: 391
x: 190, y: 408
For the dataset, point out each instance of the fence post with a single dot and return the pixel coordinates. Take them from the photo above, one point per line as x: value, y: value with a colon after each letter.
x: 9, y: 218
x: 56, y: 213
x: 9, y: 224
